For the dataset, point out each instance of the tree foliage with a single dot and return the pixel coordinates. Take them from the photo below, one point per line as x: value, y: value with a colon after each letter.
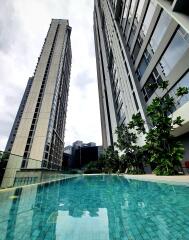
x: 130, y: 158
x: 111, y: 159
x: 163, y: 149
x: 108, y: 162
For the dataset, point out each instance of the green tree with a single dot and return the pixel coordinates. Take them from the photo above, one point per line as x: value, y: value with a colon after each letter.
x: 131, y: 153
x: 111, y: 160
x: 93, y: 167
x: 4, y: 156
x: 108, y: 162
x: 164, y: 151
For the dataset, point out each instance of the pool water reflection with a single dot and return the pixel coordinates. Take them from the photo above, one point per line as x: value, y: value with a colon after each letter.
x: 95, y: 208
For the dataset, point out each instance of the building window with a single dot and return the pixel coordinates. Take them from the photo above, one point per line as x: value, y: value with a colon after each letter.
x: 135, y: 100
x: 159, y: 31
x: 125, y: 13
x: 130, y: 82
x: 131, y: 12
x: 148, y: 18
x: 151, y: 84
x: 137, y: 49
x: 143, y: 64
x: 183, y: 82
x: 121, y: 115
x: 145, y: 26
x: 157, y: 36
x: 139, y: 10
x: 136, y: 21
x: 176, y: 49
x: 133, y: 30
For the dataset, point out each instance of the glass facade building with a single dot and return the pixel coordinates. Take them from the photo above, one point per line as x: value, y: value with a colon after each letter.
x: 138, y: 43
x: 38, y: 131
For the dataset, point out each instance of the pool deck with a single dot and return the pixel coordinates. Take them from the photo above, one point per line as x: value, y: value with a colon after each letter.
x: 178, y: 180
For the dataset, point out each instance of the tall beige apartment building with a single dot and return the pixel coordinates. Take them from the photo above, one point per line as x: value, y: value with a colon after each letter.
x: 38, y: 139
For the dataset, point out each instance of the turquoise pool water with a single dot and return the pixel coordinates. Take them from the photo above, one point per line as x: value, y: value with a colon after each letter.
x: 95, y: 208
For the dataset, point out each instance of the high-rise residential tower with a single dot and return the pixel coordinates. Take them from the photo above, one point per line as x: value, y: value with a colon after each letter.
x: 140, y: 42
x: 38, y: 132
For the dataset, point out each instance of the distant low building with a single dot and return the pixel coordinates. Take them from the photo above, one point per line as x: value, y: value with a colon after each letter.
x: 68, y: 149
x: 80, y: 154
x: 91, y: 144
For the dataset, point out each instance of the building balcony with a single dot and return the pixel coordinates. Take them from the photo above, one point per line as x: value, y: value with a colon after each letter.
x: 184, y: 113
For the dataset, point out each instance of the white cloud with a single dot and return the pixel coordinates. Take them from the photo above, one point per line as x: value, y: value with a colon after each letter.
x: 23, y: 28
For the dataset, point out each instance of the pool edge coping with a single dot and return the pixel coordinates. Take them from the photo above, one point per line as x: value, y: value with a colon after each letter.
x: 144, y: 177
x: 34, y: 184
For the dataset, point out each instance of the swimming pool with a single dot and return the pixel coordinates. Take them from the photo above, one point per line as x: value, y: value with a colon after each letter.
x: 95, y: 208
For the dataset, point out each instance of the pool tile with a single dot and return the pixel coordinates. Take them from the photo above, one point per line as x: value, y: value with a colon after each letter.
x: 96, y: 208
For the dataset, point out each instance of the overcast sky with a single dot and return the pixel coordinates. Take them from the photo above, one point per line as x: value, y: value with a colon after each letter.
x: 23, y: 28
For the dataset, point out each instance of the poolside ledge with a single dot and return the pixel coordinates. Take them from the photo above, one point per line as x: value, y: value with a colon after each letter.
x: 178, y: 180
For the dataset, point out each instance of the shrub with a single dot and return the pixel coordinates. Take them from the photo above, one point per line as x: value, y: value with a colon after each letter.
x: 92, y: 170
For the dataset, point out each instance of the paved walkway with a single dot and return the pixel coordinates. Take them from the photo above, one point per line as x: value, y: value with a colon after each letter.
x: 179, y: 180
